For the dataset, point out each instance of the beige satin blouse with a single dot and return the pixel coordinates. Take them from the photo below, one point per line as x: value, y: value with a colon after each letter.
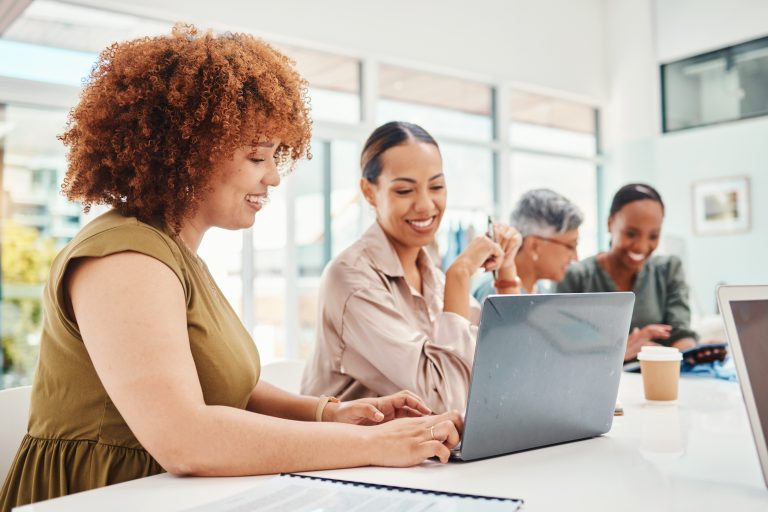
x: 377, y: 335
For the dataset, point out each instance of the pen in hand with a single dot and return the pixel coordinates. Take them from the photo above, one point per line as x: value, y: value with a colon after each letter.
x: 490, y: 234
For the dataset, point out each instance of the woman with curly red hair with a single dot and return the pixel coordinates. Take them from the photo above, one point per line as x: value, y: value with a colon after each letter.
x: 144, y: 366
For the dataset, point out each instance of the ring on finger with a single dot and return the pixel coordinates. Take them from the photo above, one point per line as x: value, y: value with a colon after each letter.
x: 432, y: 432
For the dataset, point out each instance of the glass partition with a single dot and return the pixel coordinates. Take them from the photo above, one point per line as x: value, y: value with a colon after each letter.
x: 269, y: 285
x: 574, y: 179
x: 551, y: 124
x: 334, y: 83
x: 350, y: 214
x: 271, y: 274
x: 36, y: 222
x: 469, y: 177
x: 442, y: 105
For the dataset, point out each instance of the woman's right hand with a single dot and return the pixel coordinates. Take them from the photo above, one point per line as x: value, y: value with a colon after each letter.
x: 410, y: 441
x: 481, y: 252
x: 639, y: 338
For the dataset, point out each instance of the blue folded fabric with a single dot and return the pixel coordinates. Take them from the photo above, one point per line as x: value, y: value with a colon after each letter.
x: 724, y: 370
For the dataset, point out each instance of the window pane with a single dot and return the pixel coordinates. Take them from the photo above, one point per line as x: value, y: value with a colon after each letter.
x: 221, y: 249
x: 551, y: 124
x: 36, y: 222
x: 309, y: 211
x: 350, y: 214
x: 269, y: 238
x: 334, y: 83
x: 80, y: 28
x: 44, y: 64
x: 725, y: 85
x: 469, y: 179
x: 310, y: 241
x: 441, y: 105
x: 574, y: 179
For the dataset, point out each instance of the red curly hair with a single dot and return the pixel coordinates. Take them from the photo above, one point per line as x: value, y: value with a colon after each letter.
x: 157, y: 112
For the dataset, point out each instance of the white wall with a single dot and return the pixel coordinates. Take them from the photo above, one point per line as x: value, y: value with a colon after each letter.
x: 734, y: 149
x: 690, y: 27
x: 631, y: 115
x: 549, y: 43
x: 641, y: 34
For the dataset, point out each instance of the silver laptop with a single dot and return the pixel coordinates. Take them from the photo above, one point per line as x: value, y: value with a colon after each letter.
x: 546, y: 371
x: 745, y: 313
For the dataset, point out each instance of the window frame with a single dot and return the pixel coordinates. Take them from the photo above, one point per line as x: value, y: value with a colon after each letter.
x: 38, y: 94
x: 728, y: 52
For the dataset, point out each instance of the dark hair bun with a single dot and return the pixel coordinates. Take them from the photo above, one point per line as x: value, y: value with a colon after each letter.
x: 385, y: 137
x: 634, y: 192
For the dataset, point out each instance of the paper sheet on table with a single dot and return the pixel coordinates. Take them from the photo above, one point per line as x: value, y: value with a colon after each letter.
x: 302, y: 493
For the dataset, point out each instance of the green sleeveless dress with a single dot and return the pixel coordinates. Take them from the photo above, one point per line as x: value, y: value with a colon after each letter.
x: 76, y: 438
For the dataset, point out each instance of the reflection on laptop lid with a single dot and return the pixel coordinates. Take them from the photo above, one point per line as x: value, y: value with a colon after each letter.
x: 546, y: 370
x: 745, y: 313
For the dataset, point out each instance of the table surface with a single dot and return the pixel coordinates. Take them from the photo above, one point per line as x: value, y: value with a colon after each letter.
x: 695, y: 455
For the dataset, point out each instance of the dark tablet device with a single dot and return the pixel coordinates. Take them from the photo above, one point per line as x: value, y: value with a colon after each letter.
x: 705, y: 353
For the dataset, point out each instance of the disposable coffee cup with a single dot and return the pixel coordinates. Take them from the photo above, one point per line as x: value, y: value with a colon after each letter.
x: 660, y: 367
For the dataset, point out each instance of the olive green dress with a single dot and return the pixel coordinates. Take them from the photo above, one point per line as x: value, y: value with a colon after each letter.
x: 77, y: 440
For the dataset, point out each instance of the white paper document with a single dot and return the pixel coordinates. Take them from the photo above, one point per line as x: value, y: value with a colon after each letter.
x: 313, y: 494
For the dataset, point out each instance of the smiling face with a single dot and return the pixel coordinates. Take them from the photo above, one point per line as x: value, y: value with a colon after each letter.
x: 239, y: 188
x: 635, y: 230
x: 409, y: 195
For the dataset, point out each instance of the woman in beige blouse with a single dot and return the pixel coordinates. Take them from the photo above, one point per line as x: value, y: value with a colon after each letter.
x: 389, y: 318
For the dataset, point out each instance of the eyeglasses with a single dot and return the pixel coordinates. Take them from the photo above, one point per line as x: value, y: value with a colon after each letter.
x: 571, y: 247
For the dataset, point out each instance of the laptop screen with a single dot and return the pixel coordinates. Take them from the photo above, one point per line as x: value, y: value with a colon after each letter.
x: 751, y: 320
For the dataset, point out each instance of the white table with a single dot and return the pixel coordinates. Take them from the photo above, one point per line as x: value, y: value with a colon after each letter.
x: 696, y: 455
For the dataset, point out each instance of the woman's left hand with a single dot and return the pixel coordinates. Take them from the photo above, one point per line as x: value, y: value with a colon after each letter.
x: 374, y: 411
x: 510, y: 241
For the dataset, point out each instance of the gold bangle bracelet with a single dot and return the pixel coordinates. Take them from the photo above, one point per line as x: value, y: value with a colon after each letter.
x: 510, y: 283
x: 324, y: 400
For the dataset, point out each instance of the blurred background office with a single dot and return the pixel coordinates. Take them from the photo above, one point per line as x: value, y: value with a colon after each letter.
x: 580, y: 96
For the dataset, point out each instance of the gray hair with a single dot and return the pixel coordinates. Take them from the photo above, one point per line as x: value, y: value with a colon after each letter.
x: 544, y: 212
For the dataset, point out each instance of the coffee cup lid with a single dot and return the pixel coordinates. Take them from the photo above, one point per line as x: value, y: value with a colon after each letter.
x: 649, y: 353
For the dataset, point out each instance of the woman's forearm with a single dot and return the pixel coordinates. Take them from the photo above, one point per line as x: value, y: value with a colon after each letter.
x: 684, y: 343
x: 273, y: 401
x: 225, y: 441
x: 456, y: 298
x: 510, y: 277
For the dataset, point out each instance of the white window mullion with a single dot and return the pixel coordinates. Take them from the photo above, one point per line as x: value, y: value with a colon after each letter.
x: 503, y: 162
x: 369, y: 87
x: 291, y: 274
x: 247, y: 276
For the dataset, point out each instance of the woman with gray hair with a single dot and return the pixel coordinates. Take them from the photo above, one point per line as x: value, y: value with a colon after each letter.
x: 549, y: 224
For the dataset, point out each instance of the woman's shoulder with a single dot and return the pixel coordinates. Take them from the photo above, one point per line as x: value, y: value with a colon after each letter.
x: 585, y: 267
x: 114, y: 222
x: 579, y: 275
x: 667, y: 264
x: 356, y: 269
x: 112, y: 232
x: 352, y: 268
x: 662, y: 260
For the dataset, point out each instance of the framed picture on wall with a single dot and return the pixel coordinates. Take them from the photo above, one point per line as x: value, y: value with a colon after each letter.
x: 721, y: 205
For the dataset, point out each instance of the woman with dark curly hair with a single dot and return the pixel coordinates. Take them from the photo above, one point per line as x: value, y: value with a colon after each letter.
x: 144, y: 366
